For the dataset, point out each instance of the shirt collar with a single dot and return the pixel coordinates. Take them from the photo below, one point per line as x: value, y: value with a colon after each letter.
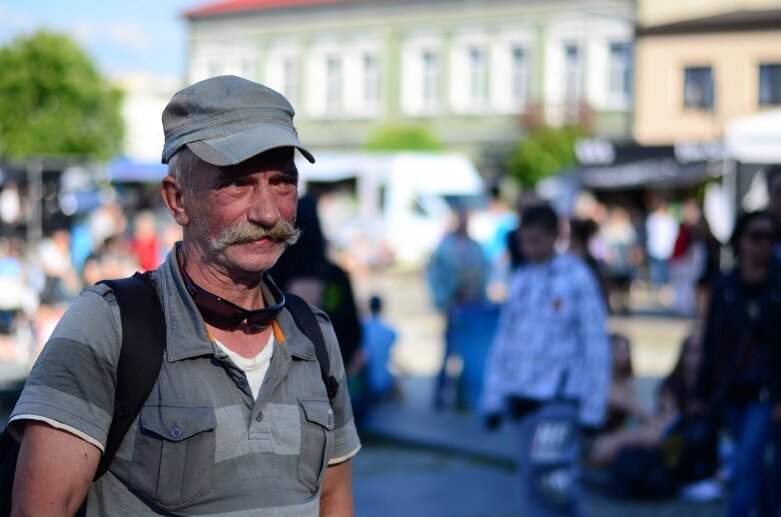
x: 186, y: 331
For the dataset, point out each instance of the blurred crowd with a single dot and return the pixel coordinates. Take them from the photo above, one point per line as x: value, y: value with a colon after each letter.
x: 38, y: 281
x: 714, y: 427
x: 664, y: 245
x: 722, y: 390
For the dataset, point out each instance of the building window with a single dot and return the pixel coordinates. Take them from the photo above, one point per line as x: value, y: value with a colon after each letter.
x: 620, y: 66
x: 290, y: 79
x: 698, y: 87
x: 371, y: 82
x: 519, y: 70
x: 572, y: 74
x: 478, y: 76
x: 769, y: 84
x: 430, y: 80
x: 333, y: 84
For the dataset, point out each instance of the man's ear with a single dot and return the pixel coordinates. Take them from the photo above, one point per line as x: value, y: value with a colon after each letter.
x: 171, y: 191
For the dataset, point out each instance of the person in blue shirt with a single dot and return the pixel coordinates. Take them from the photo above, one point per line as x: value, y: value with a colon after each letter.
x: 378, y: 340
x: 457, y: 275
x: 369, y: 377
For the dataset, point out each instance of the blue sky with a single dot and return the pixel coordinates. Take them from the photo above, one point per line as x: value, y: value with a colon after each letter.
x: 120, y: 36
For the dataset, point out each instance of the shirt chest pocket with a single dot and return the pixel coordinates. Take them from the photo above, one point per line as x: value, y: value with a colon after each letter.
x: 173, y: 455
x: 317, y: 424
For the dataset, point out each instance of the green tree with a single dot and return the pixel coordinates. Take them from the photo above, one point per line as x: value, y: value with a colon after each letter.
x: 53, y: 102
x: 545, y: 151
x: 403, y: 138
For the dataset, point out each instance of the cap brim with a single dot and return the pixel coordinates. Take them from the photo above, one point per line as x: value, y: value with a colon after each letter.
x: 236, y: 148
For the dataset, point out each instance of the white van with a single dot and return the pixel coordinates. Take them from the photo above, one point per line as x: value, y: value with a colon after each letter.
x: 399, y: 202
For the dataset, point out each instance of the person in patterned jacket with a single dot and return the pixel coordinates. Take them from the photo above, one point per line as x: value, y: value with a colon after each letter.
x: 549, y: 362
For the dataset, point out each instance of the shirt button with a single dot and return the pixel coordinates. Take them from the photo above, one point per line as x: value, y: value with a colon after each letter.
x: 259, y: 417
x: 176, y: 432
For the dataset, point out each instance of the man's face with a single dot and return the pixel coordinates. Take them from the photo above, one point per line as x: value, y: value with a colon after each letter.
x: 243, y: 216
x: 537, y: 243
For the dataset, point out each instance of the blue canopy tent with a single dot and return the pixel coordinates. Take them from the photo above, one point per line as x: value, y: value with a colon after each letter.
x: 129, y: 170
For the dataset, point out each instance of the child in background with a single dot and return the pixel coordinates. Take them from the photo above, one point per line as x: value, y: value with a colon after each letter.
x: 371, y: 381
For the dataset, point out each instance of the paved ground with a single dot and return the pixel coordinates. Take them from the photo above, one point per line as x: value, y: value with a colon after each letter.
x: 402, y: 481
x: 426, y: 463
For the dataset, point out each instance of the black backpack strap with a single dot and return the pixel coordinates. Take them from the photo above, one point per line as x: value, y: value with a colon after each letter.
x: 306, y: 321
x: 10, y: 454
x: 140, y: 358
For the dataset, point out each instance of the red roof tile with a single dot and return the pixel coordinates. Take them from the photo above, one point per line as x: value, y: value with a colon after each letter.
x: 235, y: 6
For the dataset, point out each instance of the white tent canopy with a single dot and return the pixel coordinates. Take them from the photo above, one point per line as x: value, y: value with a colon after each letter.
x: 755, y: 139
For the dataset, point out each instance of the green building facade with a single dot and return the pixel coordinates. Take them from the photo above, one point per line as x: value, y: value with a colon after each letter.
x: 477, y: 74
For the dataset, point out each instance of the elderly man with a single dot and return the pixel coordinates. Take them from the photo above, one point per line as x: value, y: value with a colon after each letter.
x: 239, y: 421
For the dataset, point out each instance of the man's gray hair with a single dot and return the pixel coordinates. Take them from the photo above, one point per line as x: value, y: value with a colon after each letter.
x: 187, y: 168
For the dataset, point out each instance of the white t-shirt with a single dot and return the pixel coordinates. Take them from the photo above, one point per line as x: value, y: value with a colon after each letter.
x: 254, y: 368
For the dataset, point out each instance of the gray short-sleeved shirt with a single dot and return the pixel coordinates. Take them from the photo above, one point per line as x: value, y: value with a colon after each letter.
x: 201, y: 444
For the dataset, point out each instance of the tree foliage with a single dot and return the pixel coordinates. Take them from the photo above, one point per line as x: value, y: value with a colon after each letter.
x: 403, y: 138
x: 53, y: 102
x: 544, y: 152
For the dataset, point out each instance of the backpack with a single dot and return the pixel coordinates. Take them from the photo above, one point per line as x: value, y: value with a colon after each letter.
x: 140, y: 359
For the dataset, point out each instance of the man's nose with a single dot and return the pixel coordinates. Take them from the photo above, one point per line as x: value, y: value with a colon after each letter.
x: 263, y: 208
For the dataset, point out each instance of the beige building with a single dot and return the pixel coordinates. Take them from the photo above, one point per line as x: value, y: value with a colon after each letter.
x: 701, y: 64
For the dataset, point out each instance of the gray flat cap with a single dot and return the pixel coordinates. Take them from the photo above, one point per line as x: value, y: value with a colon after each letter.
x: 226, y: 120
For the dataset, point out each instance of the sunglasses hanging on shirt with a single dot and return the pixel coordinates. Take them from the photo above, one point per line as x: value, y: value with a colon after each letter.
x: 226, y: 315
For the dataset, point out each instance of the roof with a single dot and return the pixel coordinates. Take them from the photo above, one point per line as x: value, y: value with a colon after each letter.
x: 725, y: 22
x: 228, y: 7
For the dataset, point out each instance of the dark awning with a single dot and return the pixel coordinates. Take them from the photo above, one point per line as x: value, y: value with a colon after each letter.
x: 660, y: 173
x: 630, y: 166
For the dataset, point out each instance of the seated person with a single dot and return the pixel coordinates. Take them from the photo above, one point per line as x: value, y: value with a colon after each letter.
x: 673, y: 398
x: 623, y: 402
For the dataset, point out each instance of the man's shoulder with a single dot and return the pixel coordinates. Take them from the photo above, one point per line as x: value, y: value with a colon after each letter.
x: 93, y: 320
x: 94, y: 304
